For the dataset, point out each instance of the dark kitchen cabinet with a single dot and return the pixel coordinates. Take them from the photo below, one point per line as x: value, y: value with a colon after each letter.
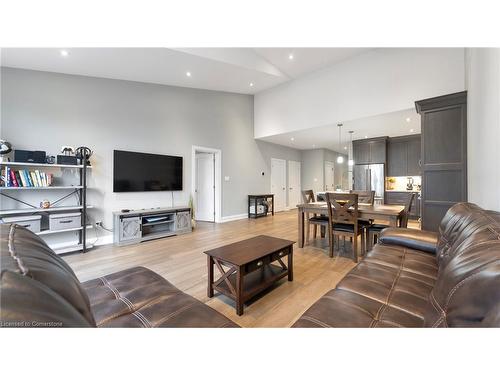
x: 361, y: 152
x: 414, y: 152
x: 444, y: 155
x: 378, y: 151
x: 396, y: 158
x: 403, y: 156
x: 370, y: 151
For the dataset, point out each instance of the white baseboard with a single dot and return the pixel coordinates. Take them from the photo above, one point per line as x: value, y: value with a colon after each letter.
x: 91, y: 240
x: 225, y: 219
x: 104, y: 240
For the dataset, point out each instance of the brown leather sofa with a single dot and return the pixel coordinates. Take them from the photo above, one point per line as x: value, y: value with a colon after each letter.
x: 415, y: 278
x: 38, y: 289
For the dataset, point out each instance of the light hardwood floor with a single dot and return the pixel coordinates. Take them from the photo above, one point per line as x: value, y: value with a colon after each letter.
x: 181, y: 261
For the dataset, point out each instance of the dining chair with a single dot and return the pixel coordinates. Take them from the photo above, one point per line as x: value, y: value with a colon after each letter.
x: 315, y: 220
x: 368, y: 197
x: 365, y: 196
x: 343, y: 221
x: 375, y: 229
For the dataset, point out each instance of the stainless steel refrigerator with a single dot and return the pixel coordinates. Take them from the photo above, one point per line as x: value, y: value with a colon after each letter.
x: 370, y: 177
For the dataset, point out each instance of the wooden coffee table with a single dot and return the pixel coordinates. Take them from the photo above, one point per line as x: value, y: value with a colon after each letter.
x: 250, y: 267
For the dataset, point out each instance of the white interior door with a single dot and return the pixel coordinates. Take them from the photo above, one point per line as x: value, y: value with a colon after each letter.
x: 205, y: 187
x: 293, y: 183
x: 278, y: 183
x: 329, y: 176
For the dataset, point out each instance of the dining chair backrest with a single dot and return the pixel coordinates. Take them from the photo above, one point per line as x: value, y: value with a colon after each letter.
x: 342, y: 208
x: 308, y: 196
x: 365, y: 196
x: 403, y: 223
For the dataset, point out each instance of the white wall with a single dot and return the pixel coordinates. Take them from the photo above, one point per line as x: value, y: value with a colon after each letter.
x: 313, y: 170
x: 376, y: 82
x: 483, y: 122
x: 340, y: 171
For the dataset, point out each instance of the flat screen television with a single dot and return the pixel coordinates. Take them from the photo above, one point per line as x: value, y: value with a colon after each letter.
x: 136, y: 171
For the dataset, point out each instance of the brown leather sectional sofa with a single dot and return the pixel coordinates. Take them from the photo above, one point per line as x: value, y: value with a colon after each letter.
x: 38, y: 289
x: 414, y: 278
x: 411, y: 279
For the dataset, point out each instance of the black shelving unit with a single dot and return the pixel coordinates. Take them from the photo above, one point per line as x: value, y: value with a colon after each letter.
x: 260, y: 200
x: 80, y: 191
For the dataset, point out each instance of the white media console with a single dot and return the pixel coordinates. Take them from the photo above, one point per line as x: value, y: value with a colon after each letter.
x: 136, y: 226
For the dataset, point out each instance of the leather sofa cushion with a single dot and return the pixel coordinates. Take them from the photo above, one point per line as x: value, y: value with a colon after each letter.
x: 387, y: 289
x: 463, y: 225
x: 138, y: 297
x: 28, y: 303
x: 467, y: 290
x: 414, y: 261
x: 411, y: 238
x: 344, y: 309
x: 25, y: 253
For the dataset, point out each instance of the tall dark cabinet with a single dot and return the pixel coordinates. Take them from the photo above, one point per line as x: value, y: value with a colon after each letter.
x: 444, y: 155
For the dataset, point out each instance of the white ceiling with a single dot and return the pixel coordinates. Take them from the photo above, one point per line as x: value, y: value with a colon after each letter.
x: 222, y: 69
x: 306, y: 60
x: 390, y: 124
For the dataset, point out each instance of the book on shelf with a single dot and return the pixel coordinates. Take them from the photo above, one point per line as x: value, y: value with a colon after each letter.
x: 38, y: 178
x: 25, y: 178
x: 13, y: 178
x: 17, y: 175
x: 33, y: 178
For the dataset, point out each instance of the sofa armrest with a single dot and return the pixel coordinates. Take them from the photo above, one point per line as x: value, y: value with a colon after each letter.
x: 413, y: 238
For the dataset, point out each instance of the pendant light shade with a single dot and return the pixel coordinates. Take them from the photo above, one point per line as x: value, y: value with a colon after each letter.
x: 340, y: 158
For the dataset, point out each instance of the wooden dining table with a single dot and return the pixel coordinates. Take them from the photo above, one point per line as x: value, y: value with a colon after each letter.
x: 390, y: 213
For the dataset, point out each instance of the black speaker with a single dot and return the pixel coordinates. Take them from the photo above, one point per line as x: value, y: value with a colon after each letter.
x: 24, y: 156
x: 67, y: 159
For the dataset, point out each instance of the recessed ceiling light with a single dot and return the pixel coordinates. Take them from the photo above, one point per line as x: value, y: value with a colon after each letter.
x: 188, y: 74
x: 290, y: 56
x: 292, y: 139
x: 366, y: 136
x: 251, y: 84
x: 345, y: 147
x: 411, y: 130
x: 408, y: 119
x: 64, y: 53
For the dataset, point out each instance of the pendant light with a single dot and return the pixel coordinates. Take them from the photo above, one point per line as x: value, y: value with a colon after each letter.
x: 351, y: 161
x: 340, y: 158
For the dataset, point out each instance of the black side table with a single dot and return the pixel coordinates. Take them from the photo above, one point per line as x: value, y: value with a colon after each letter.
x: 259, y: 205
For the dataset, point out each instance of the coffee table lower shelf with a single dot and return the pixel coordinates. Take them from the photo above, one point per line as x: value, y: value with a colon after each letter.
x: 254, y: 282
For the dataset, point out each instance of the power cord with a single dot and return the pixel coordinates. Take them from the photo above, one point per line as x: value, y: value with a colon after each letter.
x: 95, y: 225
x: 87, y: 219
x: 103, y: 227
